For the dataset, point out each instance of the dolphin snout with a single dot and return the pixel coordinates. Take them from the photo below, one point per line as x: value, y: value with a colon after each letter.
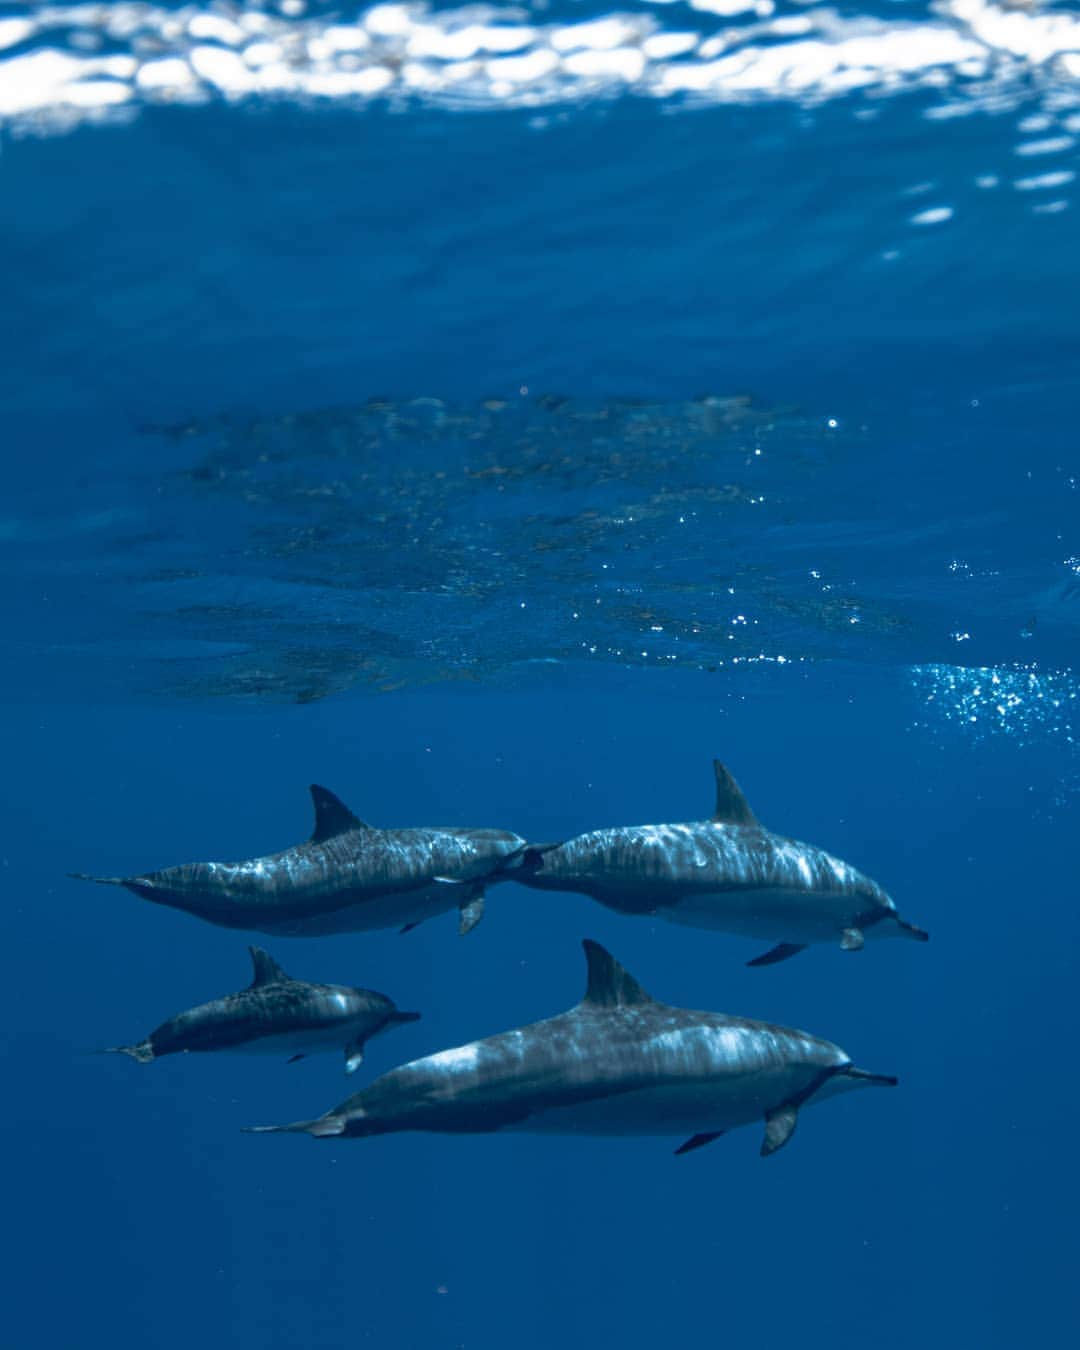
x: 530, y: 857
x: 146, y: 887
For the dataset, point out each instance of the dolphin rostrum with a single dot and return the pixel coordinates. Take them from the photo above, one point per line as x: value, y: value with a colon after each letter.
x: 617, y: 1064
x: 348, y: 876
x: 275, y: 1014
x: 727, y: 873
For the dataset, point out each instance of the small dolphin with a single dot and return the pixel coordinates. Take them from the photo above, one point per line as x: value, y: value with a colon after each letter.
x: 348, y: 876
x: 727, y: 873
x: 617, y: 1064
x: 275, y: 1014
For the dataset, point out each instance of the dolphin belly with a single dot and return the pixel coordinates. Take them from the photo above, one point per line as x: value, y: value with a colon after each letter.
x: 674, y: 1108
x: 391, y: 910
x: 313, y: 1041
x: 771, y: 914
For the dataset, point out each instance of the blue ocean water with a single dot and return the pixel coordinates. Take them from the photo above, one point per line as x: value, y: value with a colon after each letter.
x: 497, y: 444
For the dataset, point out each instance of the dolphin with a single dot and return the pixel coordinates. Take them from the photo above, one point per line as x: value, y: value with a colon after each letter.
x: 275, y: 1013
x: 727, y: 873
x: 619, y: 1063
x: 349, y: 876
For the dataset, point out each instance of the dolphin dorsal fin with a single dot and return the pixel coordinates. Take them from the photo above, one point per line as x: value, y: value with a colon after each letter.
x: 332, y: 816
x: 267, y: 970
x: 732, y: 808
x: 610, y: 986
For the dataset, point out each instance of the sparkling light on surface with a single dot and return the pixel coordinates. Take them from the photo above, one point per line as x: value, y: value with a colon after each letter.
x: 1018, y: 701
x: 937, y: 215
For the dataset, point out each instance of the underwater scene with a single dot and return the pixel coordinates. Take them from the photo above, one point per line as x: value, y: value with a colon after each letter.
x: 534, y: 537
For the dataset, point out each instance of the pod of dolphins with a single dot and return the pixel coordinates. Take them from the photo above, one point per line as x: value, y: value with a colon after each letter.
x: 617, y: 1063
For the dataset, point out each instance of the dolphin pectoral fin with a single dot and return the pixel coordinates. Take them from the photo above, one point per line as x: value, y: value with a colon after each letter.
x: 408, y: 927
x: 852, y: 940
x: 698, y: 1141
x: 779, y: 1127
x: 783, y: 951
x: 354, y: 1056
x: 294, y: 1058
x: 471, y: 912
x: 471, y: 906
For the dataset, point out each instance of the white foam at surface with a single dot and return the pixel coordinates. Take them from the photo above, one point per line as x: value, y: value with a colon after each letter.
x: 342, y: 38
x: 53, y: 78
x: 14, y: 31
x: 223, y: 69
x: 1037, y: 37
x: 795, y: 25
x: 262, y: 54
x: 726, y: 8
x: 389, y: 20
x: 662, y: 46
x: 523, y: 69
x: 976, y: 53
x: 171, y: 73
x: 600, y: 36
x: 98, y: 93
x: 624, y: 63
x: 214, y: 28
x: 374, y: 80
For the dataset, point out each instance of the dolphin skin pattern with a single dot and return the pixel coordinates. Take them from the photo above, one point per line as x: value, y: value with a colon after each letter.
x: 727, y: 873
x: 276, y: 1014
x: 349, y: 876
x: 619, y: 1063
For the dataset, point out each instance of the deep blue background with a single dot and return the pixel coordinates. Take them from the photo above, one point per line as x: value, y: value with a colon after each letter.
x: 201, y: 260
x: 933, y: 1213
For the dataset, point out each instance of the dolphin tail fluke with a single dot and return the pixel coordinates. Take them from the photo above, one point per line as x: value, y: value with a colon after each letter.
x: 323, y: 1128
x: 143, y: 1053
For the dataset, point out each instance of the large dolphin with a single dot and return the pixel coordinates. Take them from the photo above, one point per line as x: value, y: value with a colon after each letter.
x: 347, y: 877
x: 276, y: 1014
x: 727, y: 873
x: 618, y: 1063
